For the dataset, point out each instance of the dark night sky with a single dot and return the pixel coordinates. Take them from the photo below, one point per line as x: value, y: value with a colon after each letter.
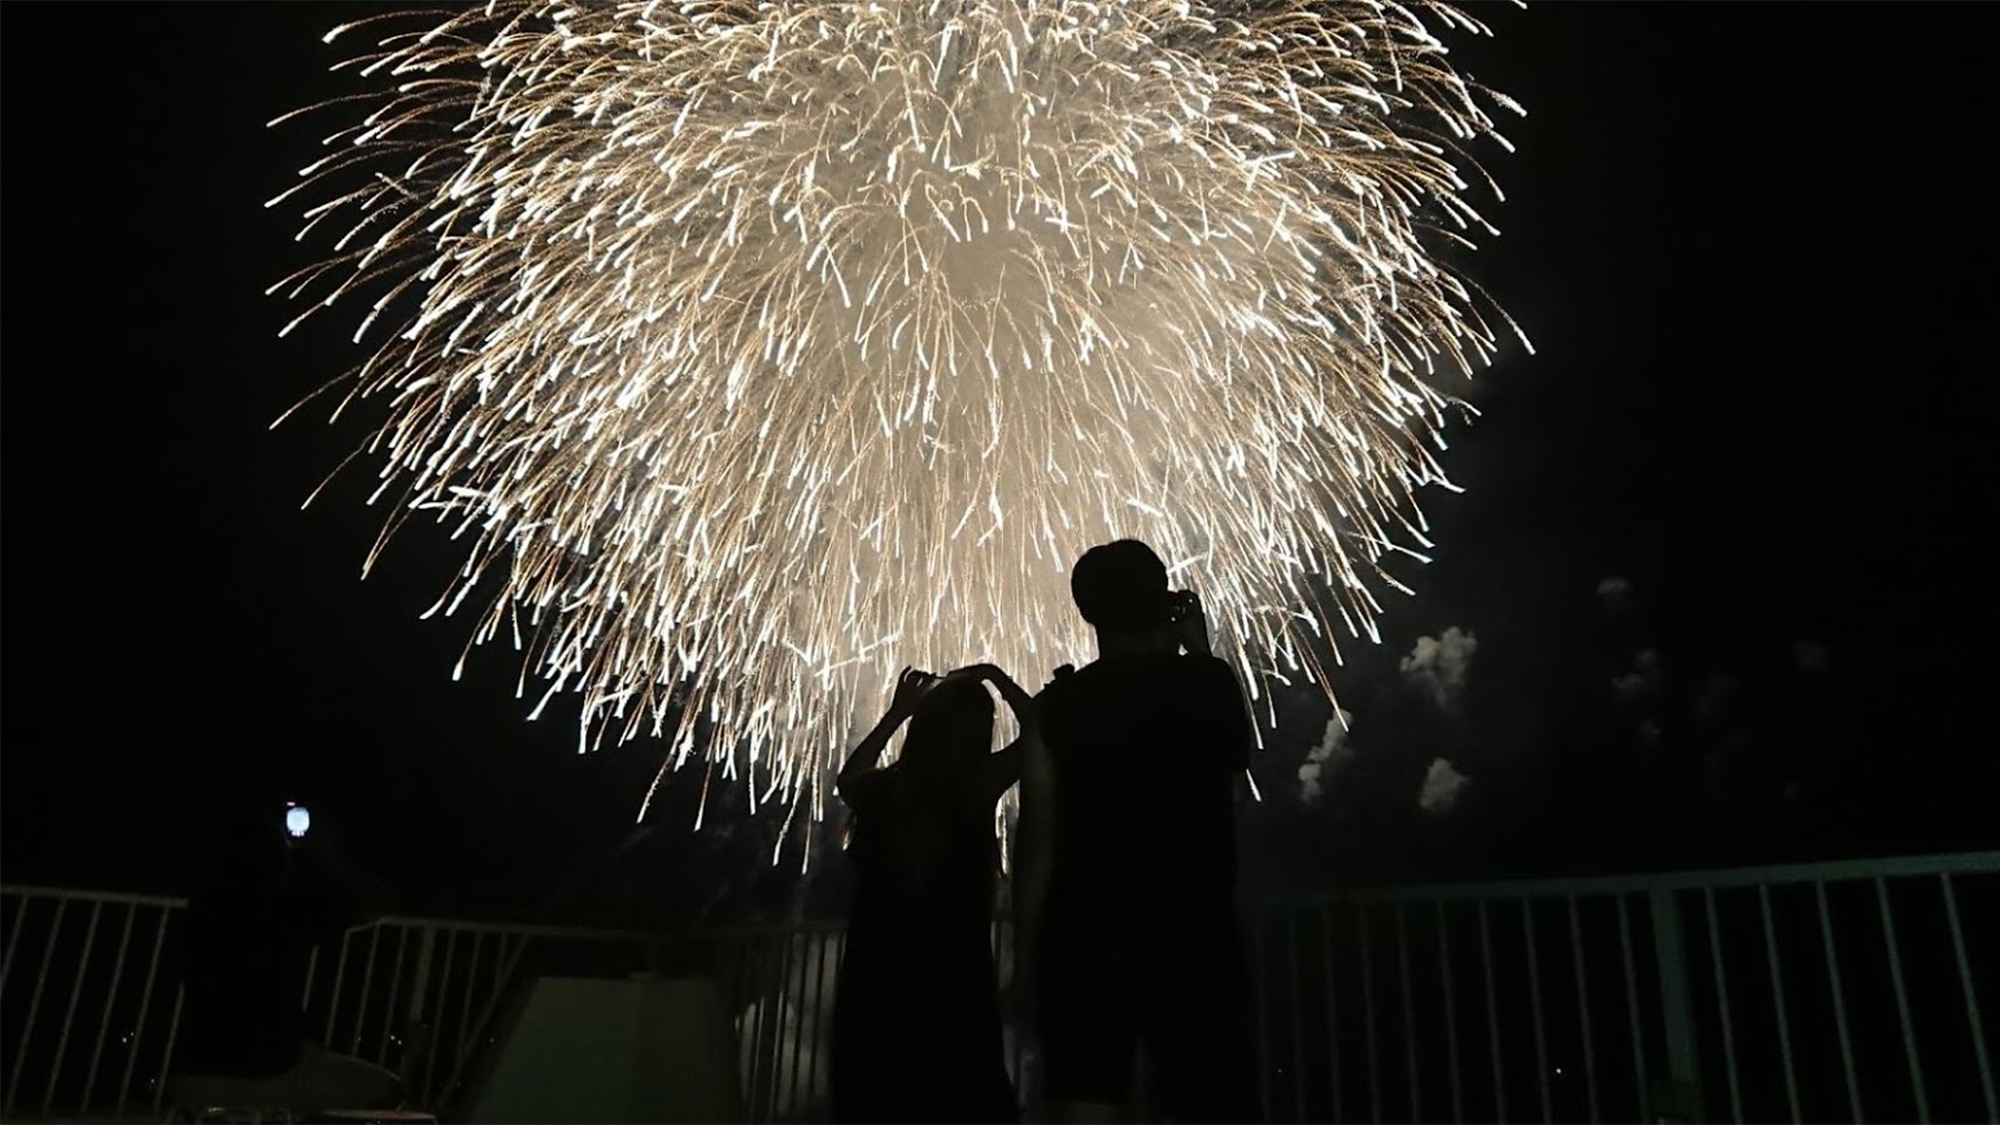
x: 1749, y: 244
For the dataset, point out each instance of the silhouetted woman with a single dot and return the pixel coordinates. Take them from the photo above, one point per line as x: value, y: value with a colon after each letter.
x: 916, y: 1033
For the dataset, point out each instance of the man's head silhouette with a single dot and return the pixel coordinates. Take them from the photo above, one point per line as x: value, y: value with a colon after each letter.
x: 1120, y: 587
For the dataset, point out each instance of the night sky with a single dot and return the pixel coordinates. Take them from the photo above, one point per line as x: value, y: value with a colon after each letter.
x: 1711, y: 595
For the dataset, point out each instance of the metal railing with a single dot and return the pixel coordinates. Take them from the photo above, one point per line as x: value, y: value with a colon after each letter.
x: 1817, y: 992
x: 1839, y: 991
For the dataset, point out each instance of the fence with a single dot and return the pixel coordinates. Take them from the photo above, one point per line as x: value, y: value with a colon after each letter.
x: 1822, y: 992
x: 1842, y: 991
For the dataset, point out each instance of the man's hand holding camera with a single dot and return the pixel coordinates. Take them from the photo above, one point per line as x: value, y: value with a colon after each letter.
x: 1188, y: 622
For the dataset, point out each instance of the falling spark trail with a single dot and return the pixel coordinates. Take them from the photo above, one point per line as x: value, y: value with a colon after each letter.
x: 763, y: 349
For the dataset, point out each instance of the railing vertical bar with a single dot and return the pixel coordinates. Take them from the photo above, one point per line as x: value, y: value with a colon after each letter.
x: 1298, y: 1018
x: 776, y: 1076
x: 1012, y: 939
x: 1722, y: 1004
x: 774, y: 1067
x: 312, y: 967
x: 799, y: 1025
x: 395, y: 993
x: 823, y: 939
x: 14, y: 940
x: 1632, y: 1006
x: 1903, y: 1003
x: 753, y: 1074
x: 1583, y: 1007
x: 167, y: 1056
x: 145, y: 1006
x: 740, y: 1016
x: 34, y: 1008
x: 1332, y: 1011
x: 840, y: 955
x: 1535, y: 1006
x: 339, y: 978
x: 819, y: 1035
x: 759, y: 1063
x: 69, y: 1012
x: 1676, y: 997
x: 417, y: 1035
x: 1492, y: 1016
x: 809, y: 1019
x: 1778, y: 999
x: 1450, y: 1013
x: 420, y: 981
x: 1409, y: 1011
x: 788, y: 1080
x: 367, y: 985
x: 1368, y: 1013
x: 1971, y: 1000
x: 1839, y: 1001
x: 507, y: 955
x: 435, y: 1040
x: 110, y: 1003
x: 465, y: 1029
x: 1258, y: 963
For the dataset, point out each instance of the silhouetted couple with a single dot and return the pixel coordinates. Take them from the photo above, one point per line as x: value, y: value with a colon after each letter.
x: 1127, y: 944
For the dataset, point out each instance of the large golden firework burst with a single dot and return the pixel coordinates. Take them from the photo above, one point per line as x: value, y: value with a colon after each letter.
x: 760, y: 350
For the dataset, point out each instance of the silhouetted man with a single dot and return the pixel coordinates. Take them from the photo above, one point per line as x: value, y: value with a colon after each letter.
x: 1128, y: 856
x: 261, y: 904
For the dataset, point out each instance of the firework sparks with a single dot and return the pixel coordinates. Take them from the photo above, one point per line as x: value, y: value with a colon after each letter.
x: 762, y: 350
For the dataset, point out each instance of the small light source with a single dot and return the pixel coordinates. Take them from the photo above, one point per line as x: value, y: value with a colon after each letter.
x: 297, y: 821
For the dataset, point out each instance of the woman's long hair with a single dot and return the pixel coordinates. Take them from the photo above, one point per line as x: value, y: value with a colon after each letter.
x: 951, y: 733
x: 949, y: 737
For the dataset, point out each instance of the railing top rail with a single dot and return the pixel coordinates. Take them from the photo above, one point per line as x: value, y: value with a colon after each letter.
x: 1828, y: 871
x: 758, y: 929
x: 522, y: 929
x: 75, y: 894
x: 517, y: 929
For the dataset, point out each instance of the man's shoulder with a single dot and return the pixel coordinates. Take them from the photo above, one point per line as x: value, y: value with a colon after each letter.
x: 1192, y: 674
x: 1060, y: 682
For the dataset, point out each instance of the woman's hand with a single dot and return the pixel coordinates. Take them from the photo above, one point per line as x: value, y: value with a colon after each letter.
x: 911, y: 687
x: 1018, y: 700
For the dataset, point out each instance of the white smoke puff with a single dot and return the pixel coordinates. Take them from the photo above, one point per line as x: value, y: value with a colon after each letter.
x: 1614, y: 592
x: 1642, y: 680
x: 1442, y: 788
x: 1325, y: 761
x: 1439, y: 665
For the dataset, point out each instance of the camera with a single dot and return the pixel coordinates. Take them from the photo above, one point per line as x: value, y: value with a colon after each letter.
x: 1180, y: 605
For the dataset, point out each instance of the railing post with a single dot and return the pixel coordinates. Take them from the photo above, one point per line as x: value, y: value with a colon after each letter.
x: 1678, y: 1099
x: 416, y: 1029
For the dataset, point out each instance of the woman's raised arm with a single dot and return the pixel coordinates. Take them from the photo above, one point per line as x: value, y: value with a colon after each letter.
x: 911, y: 685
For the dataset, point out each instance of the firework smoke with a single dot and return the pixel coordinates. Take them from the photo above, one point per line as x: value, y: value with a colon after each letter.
x: 759, y: 351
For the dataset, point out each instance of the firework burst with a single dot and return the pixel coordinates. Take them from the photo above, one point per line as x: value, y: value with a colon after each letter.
x: 761, y: 350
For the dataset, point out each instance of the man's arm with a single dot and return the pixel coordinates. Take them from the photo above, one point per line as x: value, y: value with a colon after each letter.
x: 1236, y: 731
